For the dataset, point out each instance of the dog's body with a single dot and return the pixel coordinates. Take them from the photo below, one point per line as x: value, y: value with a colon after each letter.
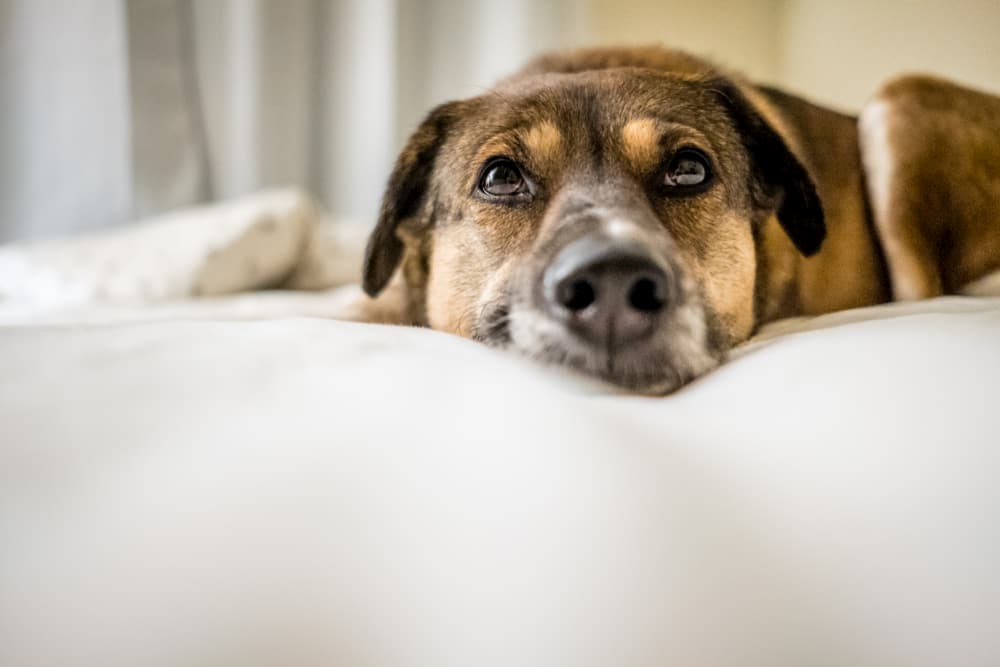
x: 636, y: 212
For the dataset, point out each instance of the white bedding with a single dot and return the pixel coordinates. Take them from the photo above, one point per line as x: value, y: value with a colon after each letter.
x: 225, y: 482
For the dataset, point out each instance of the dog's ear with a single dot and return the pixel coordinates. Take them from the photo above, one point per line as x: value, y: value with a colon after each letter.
x: 403, y: 197
x: 779, y: 176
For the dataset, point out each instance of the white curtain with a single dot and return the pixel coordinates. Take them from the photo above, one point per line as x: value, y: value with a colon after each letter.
x: 65, y: 158
x: 115, y: 109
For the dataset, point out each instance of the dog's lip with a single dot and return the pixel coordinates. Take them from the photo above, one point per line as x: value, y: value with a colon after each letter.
x: 643, y: 368
x: 663, y: 380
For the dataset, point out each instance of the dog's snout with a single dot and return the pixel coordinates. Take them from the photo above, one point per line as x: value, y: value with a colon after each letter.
x: 607, y: 292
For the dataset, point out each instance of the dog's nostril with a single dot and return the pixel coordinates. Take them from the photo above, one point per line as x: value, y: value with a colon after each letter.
x: 647, y: 295
x: 578, y: 295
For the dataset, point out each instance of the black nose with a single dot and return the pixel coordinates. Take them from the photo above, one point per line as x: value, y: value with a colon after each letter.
x: 608, y: 292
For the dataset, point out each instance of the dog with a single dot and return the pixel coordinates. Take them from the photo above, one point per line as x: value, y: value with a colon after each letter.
x: 634, y: 213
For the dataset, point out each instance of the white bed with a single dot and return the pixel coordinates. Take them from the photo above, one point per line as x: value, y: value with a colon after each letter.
x: 238, y: 480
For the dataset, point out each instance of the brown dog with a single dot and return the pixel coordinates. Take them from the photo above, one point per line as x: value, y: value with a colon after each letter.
x: 634, y: 213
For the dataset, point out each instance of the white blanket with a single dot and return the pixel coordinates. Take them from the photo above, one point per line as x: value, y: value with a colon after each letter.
x: 268, y: 239
x: 222, y: 482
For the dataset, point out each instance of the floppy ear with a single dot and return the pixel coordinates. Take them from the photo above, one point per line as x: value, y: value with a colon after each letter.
x: 779, y: 174
x: 403, y: 197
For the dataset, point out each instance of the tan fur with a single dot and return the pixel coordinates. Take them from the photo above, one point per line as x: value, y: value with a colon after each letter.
x: 544, y: 143
x: 727, y: 275
x: 640, y: 143
x: 454, y: 287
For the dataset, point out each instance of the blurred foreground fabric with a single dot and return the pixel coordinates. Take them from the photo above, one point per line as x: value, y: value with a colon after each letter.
x: 287, y: 490
x: 236, y: 479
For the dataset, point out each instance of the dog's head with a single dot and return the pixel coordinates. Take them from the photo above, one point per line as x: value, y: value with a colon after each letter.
x: 603, y: 219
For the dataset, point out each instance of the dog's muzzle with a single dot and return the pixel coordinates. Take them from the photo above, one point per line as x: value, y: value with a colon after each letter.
x: 611, y: 293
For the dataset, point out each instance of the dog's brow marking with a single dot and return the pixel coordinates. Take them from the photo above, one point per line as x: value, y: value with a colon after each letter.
x: 640, y: 143
x: 544, y: 141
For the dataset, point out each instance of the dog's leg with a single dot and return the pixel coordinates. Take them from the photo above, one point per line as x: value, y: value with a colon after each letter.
x: 396, y: 304
x: 909, y: 253
x: 931, y: 153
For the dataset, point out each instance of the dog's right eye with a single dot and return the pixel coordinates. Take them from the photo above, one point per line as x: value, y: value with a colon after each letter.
x: 688, y: 169
x: 502, y: 178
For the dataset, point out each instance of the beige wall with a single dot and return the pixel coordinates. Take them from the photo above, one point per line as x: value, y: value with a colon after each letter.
x: 838, y: 52
x: 833, y: 52
x: 739, y: 34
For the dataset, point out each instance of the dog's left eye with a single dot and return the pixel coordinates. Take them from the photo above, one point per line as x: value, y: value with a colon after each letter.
x: 502, y: 178
x: 689, y: 168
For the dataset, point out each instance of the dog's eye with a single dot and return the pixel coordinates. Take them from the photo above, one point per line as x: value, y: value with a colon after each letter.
x: 502, y: 178
x: 688, y: 168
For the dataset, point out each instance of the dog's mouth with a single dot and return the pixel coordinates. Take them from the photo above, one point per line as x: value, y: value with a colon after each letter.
x: 657, y: 366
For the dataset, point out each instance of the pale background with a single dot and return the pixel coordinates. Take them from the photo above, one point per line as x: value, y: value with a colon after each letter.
x: 113, y: 110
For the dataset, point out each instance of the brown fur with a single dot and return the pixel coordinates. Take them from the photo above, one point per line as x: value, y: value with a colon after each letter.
x: 849, y: 271
x: 591, y: 131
